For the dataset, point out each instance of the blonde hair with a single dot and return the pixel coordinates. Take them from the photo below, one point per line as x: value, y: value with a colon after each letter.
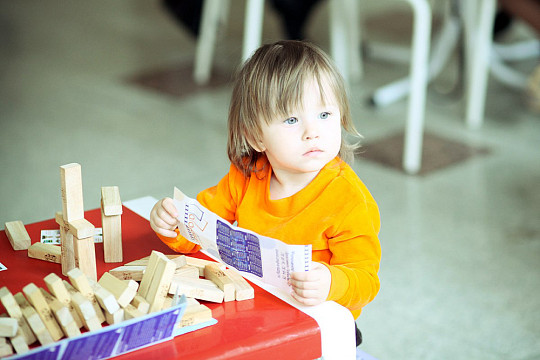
x: 271, y: 84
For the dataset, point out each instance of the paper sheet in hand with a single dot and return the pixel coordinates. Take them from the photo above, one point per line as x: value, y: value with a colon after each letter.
x: 269, y: 259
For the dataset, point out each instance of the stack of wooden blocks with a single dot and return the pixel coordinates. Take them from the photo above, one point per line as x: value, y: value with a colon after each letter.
x: 47, y: 316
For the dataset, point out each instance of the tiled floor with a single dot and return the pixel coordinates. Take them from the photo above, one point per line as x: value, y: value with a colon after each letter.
x: 461, y: 243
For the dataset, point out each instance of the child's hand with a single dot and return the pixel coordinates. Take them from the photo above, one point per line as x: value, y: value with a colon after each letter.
x: 311, y: 287
x: 163, y: 218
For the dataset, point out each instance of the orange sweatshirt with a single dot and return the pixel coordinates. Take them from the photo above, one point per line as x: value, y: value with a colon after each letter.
x: 335, y: 213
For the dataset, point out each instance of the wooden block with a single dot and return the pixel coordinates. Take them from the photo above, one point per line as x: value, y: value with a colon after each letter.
x: 47, y: 252
x: 57, y: 288
x: 8, y: 327
x: 85, y: 310
x: 148, y: 274
x: 131, y: 312
x: 19, y: 343
x: 72, y: 192
x: 128, y: 272
x: 187, y: 271
x: 124, y: 292
x: 17, y: 235
x: 14, y: 310
x: 169, y: 301
x: 201, y: 289
x: 198, y: 263
x: 34, y: 321
x: 105, y: 298
x: 116, y: 317
x: 85, y: 256
x: 140, y: 303
x: 81, y: 283
x: 5, y: 348
x: 243, y: 290
x: 179, y: 261
x: 110, y: 200
x: 195, y: 314
x: 161, y: 282
x: 112, y: 238
x: 63, y: 315
x: 66, y: 244
x: 36, y: 298
x: 144, y: 261
x: 82, y: 228
x: 214, y: 273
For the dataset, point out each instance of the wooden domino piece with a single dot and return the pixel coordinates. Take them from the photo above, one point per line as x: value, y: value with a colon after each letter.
x: 140, y: 303
x: 187, y: 271
x: 36, y: 298
x: 128, y: 272
x: 198, y: 263
x: 72, y: 192
x: 84, y: 308
x: 34, y: 321
x: 195, y: 314
x: 19, y: 343
x: 17, y: 235
x: 178, y: 259
x: 243, y: 290
x: 5, y: 348
x: 148, y: 273
x: 110, y: 201
x: 123, y: 291
x: 14, y: 310
x: 85, y: 256
x: 214, y: 273
x: 81, y: 283
x: 111, y: 223
x: 47, y: 252
x: 131, y: 312
x: 62, y: 315
x: 201, y: 289
x: 161, y: 281
x: 58, y: 289
x: 66, y: 244
x: 116, y: 317
x: 8, y: 327
x: 82, y: 228
x: 105, y: 298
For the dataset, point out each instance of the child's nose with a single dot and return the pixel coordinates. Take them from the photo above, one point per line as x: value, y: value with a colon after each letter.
x: 311, y: 130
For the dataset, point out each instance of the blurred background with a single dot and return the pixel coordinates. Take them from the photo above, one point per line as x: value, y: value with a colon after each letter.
x: 109, y: 84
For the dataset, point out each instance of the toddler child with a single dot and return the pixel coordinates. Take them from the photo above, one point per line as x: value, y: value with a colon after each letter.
x: 289, y: 179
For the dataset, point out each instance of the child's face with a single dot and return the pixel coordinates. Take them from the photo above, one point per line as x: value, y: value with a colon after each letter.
x: 307, y: 139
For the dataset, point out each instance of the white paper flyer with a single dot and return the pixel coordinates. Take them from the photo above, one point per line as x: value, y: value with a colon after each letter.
x: 269, y: 259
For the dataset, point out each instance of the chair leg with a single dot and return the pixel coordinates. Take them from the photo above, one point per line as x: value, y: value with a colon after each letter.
x: 412, y: 152
x: 345, y: 38
x: 253, y: 25
x: 479, y: 62
x: 204, y: 53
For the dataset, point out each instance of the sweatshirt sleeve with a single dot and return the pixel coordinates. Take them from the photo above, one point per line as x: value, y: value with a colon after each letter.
x: 356, y: 255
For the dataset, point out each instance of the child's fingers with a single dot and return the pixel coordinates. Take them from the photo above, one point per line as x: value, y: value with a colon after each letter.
x: 168, y: 205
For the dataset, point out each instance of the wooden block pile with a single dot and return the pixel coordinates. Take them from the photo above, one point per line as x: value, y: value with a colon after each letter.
x: 195, y: 278
x: 76, y: 233
x: 45, y: 316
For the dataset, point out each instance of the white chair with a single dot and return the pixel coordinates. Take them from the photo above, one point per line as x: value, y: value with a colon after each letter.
x: 483, y: 55
x: 345, y: 49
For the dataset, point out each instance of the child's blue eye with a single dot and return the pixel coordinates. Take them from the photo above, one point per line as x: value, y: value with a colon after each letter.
x: 324, y: 115
x: 291, y: 121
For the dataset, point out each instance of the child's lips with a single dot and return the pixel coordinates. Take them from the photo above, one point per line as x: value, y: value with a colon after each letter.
x: 313, y: 152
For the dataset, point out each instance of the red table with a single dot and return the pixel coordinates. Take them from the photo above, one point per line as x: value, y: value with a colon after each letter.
x: 262, y: 328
